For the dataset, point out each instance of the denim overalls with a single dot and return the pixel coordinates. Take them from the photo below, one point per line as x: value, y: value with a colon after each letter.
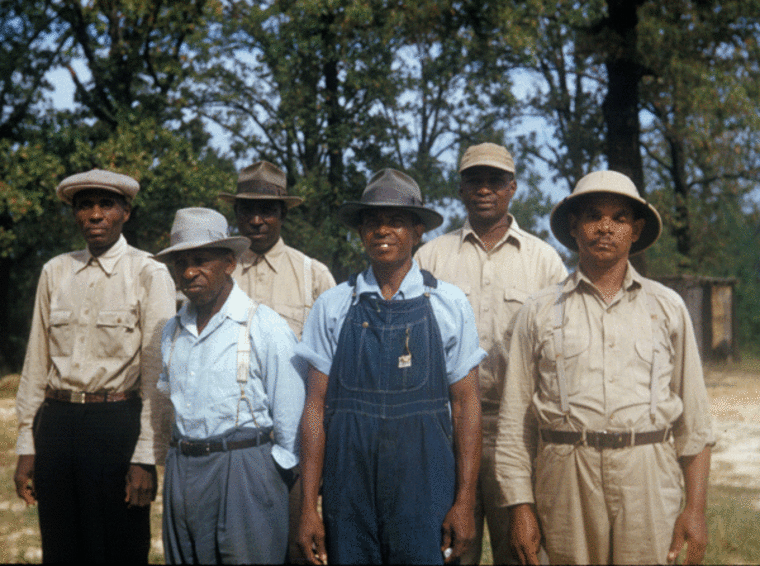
x: 389, y: 471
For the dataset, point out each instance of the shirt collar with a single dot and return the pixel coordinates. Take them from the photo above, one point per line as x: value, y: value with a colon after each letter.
x: 108, y: 259
x: 631, y: 281
x: 235, y: 308
x: 411, y: 286
x: 514, y: 234
x: 248, y: 259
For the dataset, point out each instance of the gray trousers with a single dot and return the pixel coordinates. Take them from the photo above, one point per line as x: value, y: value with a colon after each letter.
x: 225, y: 507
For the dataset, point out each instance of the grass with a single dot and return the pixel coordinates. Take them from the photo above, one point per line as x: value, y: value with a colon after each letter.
x: 732, y: 515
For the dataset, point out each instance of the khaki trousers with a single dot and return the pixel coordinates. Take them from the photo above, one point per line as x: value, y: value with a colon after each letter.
x: 612, y: 506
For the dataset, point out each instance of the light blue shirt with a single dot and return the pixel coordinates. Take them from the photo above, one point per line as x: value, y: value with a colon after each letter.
x: 200, y: 375
x: 450, y: 306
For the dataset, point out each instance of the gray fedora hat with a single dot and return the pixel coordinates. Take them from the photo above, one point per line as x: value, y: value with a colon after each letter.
x: 389, y: 188
x: 610, y: 182
x: 262, y: 181
x: 97, y: 179
x: 201, y: 228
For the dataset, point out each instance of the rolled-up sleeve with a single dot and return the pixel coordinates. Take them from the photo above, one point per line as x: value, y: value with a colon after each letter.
x: 283, y: 376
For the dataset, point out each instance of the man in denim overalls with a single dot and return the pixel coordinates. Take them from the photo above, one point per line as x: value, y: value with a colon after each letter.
x: 392, y: 418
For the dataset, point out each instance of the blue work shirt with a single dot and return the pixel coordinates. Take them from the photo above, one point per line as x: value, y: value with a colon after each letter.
x: 201, y: 377
x: 452, y: 311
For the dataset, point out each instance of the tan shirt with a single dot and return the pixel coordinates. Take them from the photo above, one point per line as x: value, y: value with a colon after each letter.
x: 278, y: 280
x: 97, y: 327
x: 497, y: 283
x: 608, y: 354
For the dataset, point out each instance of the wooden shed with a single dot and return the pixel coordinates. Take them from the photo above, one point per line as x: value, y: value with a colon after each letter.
x: 712, y: 306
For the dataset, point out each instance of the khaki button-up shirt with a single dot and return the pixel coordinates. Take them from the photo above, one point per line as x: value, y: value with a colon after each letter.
x: 609, y: 353
x: 278, y: 279
x: 97, y: 327
x: 497, y: 283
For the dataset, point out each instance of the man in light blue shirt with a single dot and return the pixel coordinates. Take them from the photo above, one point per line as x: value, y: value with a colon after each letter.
x: 229, y: 370
x: 392, y: 417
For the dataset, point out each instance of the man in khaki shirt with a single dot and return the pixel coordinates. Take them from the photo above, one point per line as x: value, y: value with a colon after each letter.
x: 270, y: 272
x: 498, y: 266
x: 273, y: 274
x: 605, y: 411
x: 88, y: 411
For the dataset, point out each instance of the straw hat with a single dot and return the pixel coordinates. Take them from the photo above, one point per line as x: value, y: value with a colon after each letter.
x: 97, y: 179
x: 262, y: 181
x: 609, y: 182
x: 201, y: 228
x: 389, y: 188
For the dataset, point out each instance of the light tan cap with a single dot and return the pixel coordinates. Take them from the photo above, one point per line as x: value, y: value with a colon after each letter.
x: 610, y: 182
x: 262, y: 181
x: 97, y: 179
x: 489, y: 155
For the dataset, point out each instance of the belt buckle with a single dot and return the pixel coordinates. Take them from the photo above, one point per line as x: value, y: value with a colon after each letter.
x: 78, y: 397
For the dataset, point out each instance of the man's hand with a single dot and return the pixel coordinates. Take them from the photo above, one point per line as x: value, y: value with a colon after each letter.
x: 524, y: 533
x: 311, y: 537
x: 24, y: 478
x: 141, y: 485
x: 690, y: 528
x: 458, y: 531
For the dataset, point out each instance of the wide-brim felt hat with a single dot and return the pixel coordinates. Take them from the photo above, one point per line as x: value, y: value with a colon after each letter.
x: 609, y: 182
x: 262, y: 181
x: 201, y: 228
x: 97, y: 179
x: 389, y: 188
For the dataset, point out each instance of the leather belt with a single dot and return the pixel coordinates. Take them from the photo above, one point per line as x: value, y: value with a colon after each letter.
x: 604, y: 439
x: 203, y: 447
x: 84, y: 397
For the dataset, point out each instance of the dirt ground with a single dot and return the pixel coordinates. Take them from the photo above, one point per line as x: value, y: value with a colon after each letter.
x: 735, y: 396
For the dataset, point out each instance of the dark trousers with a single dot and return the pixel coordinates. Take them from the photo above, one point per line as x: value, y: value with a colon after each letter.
x: 82, y: 457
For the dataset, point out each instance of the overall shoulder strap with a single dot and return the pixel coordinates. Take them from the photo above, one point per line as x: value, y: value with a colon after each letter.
x: 428, y: 279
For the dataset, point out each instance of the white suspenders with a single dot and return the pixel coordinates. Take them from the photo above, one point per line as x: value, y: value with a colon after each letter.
x: 557, y: 331
x: 243, y: 359
x: 308, y: 294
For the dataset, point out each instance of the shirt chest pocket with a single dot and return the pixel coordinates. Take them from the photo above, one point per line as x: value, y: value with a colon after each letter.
x: 60, y: 332
x: 575, y: 341
x: 117, y: 334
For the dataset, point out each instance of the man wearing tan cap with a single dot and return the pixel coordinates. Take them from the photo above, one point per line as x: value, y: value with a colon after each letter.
x: 88, y: 411
x: 270, y: 272
x: 498, y: 266
x: 605, y: 412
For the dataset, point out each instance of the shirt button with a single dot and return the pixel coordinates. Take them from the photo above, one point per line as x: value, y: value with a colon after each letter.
x: 485, y: 308
x: 487, y: 282
x: 365, y: 324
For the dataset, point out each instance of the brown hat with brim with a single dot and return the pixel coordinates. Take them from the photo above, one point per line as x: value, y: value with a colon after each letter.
x: 487, y: 155
x: 97, y: 179
x: 262, y: 181
x: 195, y: 228
x: 389, y: 188
x: 605, y: 182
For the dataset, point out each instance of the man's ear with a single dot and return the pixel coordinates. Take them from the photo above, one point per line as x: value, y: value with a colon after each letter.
x: 229, y: 269
x: 419, y: 230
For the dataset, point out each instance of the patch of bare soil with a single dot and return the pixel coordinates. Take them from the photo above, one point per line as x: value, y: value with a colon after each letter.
x: 735, y: 407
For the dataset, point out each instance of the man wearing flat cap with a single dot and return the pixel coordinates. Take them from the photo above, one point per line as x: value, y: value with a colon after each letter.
x: 498, y: 265
x: 392, y: 419
x: 88, y: 410
x: 605, y: 413
x: 270, y: 272
x: 229, y: 369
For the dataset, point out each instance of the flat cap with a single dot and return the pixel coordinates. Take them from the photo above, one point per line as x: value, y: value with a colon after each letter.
x: 97, y: 179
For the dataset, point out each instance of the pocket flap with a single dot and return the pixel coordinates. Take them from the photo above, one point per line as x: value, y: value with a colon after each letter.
x: 58, y: 318
x: 127, y: 319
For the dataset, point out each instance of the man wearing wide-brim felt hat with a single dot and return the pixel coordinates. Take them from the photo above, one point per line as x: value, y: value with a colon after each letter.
x: 605, y: 410
x: 237, y: 397
x: 390, y: 351
x: 89, y: 413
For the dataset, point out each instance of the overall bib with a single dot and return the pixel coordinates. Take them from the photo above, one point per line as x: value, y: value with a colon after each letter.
x: 389, y: 471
